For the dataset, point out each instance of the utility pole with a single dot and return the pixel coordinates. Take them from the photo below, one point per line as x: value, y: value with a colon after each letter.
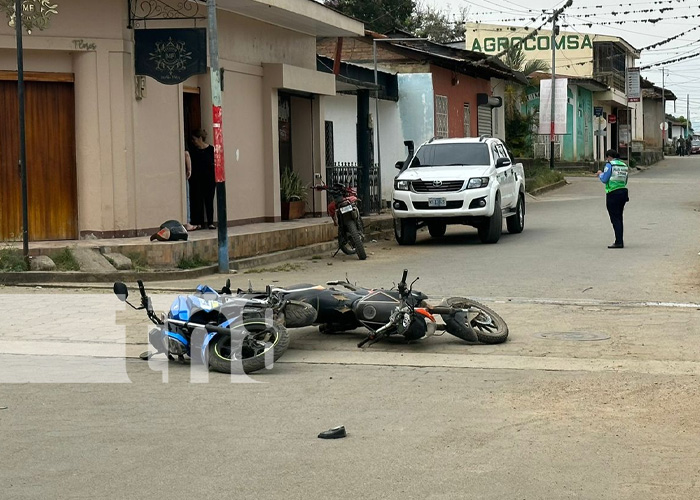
x: 218, y: 128
x: 22, y: 130
x: 554, y: 81
x: 663, y: 111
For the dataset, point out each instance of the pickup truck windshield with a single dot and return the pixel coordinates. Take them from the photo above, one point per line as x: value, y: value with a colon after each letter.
x: 441, y: 155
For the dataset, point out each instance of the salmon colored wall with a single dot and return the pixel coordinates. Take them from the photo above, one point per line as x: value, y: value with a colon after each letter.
x: 457, y: 95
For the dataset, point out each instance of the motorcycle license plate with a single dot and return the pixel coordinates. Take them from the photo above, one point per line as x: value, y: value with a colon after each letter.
x: 346, y: 209
x: 437, y: 202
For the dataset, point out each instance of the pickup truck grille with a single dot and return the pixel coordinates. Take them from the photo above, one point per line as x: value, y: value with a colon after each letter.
x: 423, y: 205
x: 431, y: 187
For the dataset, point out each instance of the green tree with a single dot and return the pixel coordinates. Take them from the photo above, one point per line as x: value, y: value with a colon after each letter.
x: 436, y: 25
x: 378, y: 15
x: 519, y: 124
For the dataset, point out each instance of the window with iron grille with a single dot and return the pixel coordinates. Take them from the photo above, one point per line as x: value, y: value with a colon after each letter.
x: 441, y: 116
x: 467, y: 120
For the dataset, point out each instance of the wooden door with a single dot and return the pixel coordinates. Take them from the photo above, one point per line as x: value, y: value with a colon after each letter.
x: 52, y: 199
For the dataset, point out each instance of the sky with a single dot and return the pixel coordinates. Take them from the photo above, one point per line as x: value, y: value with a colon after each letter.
x: 607, y: 18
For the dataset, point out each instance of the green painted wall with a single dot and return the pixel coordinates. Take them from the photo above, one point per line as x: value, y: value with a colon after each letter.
x: 583, y: 135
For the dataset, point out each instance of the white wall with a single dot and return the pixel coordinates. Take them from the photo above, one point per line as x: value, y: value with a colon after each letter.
x: 342, y: 111
x: 391, y: 144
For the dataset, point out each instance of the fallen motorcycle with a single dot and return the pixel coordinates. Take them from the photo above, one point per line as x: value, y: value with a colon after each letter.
x: 342, y: 208
x: 228, y: 334
x: 342, y: 306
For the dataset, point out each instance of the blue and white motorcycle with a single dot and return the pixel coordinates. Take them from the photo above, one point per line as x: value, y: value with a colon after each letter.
x: 229, y: 334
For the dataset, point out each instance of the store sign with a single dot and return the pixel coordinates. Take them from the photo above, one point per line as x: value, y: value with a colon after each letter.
x: 171, y: 56
x: 634, y: 89
x: 35, y: 13
x: 612, y: 119
x: 541, y: 42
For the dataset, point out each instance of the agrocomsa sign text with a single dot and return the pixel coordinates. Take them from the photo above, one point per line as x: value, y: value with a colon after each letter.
x: 541, y: 42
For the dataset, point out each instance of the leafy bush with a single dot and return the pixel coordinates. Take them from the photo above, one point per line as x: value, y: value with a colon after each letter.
x: 539, y: 175
x: 12, y: 260
x: 65, y: 261
x: 291, y: 186
x: 192, y: 262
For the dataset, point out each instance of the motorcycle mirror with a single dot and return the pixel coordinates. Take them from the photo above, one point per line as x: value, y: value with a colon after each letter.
x: 121, y: 291
x: 228, y: 283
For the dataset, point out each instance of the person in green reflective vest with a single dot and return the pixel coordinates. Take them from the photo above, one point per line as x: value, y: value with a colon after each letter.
x: 616, y: 195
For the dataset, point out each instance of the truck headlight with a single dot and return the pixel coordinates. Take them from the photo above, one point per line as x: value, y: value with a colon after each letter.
x: 477, y: 182
x: 401, y: 185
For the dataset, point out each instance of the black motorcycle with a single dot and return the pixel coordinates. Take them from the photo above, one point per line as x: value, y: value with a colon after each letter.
x: 342, y: 306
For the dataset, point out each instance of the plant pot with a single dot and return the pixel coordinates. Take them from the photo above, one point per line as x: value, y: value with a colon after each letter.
x: 293, y: 209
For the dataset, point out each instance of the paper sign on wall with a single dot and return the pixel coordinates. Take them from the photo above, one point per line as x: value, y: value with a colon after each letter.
x: 560, y: 106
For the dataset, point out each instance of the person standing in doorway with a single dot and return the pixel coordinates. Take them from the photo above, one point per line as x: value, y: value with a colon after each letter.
x: 202, y: 181
x: 616, y: 195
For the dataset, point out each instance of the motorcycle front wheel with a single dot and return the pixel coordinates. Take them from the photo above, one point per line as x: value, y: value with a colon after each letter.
x: 262, y: 343
x: 489, y: 327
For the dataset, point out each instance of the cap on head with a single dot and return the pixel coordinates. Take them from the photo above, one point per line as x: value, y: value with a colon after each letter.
x: 611, y: 153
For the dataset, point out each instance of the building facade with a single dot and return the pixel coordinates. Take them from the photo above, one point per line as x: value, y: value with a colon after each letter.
x: 106, y: 149
x: 588, y: 60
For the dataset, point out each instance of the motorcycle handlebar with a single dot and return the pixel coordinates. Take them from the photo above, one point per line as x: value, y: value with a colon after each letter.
x: 217, y: 329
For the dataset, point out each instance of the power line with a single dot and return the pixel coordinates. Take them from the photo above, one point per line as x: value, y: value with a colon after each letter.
x: 634, y: 4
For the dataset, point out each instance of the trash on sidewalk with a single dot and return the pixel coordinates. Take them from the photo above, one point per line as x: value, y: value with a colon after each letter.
x: 334, y: 433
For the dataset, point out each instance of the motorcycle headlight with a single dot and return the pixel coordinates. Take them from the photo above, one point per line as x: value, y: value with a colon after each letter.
x: 401, y: 185
x: 477, y: 182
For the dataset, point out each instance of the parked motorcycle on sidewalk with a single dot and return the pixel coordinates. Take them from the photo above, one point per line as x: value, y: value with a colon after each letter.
x: 228, y: 334
x: 342, y: 208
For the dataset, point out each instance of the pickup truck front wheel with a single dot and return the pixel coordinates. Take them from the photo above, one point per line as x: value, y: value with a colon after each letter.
x: 516, y: 222
x: 405, y: 231
x: 490, y: 230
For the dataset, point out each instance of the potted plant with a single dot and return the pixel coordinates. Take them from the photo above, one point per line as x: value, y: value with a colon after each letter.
x: 293, y: 193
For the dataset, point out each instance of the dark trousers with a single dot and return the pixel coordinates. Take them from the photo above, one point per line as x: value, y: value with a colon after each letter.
x: 615, y: 203
x: 201, y: 201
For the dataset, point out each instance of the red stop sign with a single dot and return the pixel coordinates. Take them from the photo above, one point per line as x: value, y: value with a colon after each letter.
x: 612, y: 118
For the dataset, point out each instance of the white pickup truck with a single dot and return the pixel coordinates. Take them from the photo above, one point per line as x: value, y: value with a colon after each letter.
x: 468, y: 181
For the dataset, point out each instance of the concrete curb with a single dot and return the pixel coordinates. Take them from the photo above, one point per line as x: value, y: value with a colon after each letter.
x: 550, y: 187
x: 51, y: 277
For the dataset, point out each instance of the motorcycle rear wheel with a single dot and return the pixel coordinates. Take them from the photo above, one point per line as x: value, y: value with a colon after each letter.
x: 298, y: 314
x: 489, y: 327
x: 255, y: 349
x: 356, y: 239
x: 344, y: 244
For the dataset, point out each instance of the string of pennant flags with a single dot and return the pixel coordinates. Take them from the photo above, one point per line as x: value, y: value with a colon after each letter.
x: 670, y: 39
x: 613, y: 13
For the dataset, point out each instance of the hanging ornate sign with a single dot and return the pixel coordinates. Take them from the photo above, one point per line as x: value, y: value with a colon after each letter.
x: 35, y: 13
x: 171, y: 56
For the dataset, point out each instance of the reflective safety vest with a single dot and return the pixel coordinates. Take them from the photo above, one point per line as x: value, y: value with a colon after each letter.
x: 618, y: 177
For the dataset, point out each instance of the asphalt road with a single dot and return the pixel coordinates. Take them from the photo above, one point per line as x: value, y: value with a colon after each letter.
x: 594, y: 396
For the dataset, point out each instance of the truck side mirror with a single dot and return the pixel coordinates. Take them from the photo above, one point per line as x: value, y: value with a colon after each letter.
x: 503, y: 162
x: 399, y: 165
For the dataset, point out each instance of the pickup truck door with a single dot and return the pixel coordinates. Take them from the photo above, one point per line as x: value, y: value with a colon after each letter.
x: 506, y: 177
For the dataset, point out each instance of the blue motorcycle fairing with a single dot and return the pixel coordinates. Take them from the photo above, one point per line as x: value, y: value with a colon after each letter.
x: 206, y: 289
x: 180, y: 309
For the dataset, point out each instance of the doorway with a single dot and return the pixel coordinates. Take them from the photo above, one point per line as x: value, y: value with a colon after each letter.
x: 284, y: 126
x: 52, y: 192
x: 192, y: 111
